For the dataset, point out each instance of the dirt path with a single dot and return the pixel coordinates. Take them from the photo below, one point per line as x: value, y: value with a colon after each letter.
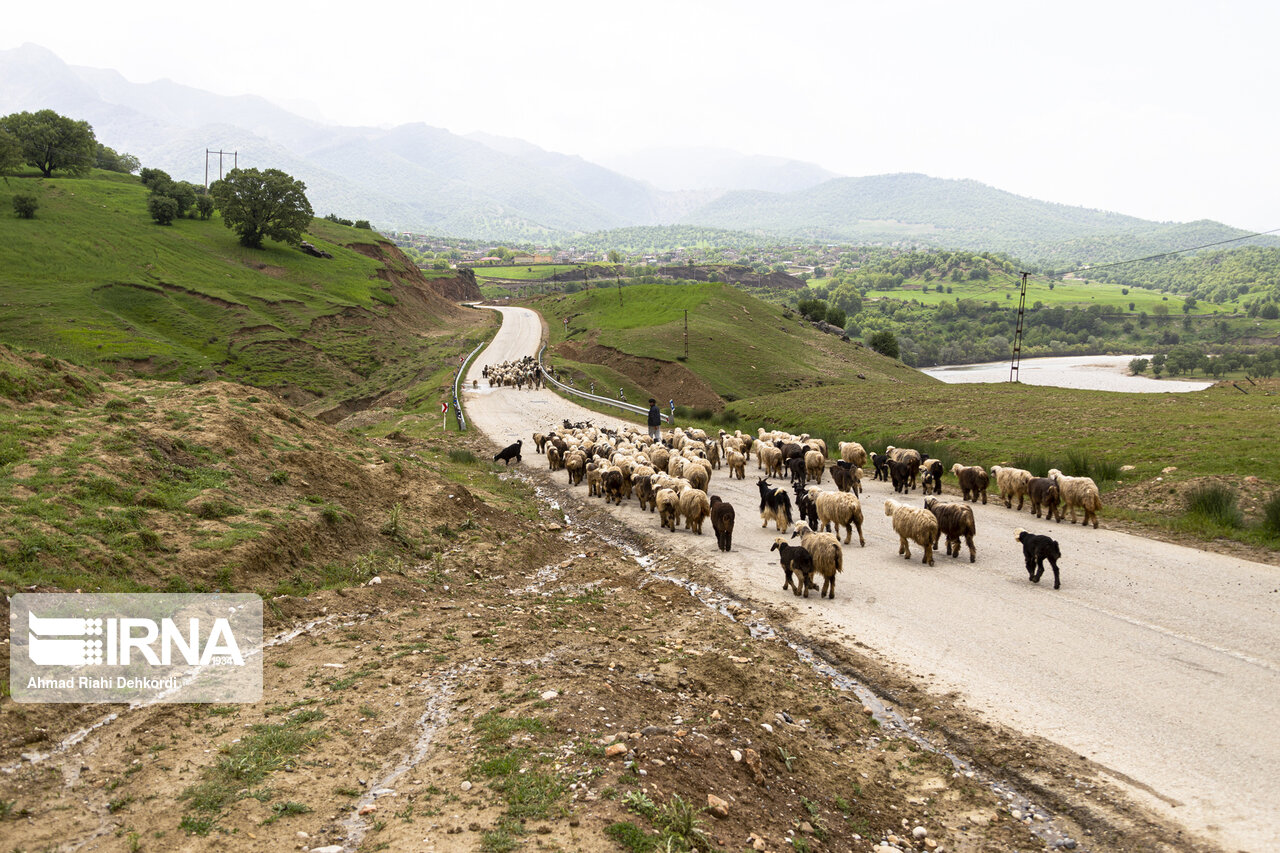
x: 1159, y: 662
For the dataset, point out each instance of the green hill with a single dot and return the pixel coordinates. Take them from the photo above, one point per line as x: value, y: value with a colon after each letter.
x: 739, y: 346
x: 94, y: 281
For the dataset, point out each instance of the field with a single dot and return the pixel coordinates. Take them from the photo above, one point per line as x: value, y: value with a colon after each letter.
x: 536, y: 272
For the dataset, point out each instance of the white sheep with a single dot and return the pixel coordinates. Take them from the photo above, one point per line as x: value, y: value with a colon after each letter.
x: 1012, y: 483
x: 668, y: 508
x: 695, y: 506
x: 1078, y: 492
x: 737, y: 464
x: 853, y: 453
x: 814, y: 461
x: 912, y: 523
x: 828, y: 559
x: 838, y: 508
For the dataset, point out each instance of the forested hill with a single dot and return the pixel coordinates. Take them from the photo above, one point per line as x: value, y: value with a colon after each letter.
x: 1250, y: 274
x: 914, y: 208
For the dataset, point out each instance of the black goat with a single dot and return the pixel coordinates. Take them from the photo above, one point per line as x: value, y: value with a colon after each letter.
x: 798, y: 561
x: 722, y: 522
x: 880, y: 463
x: 509, y: 452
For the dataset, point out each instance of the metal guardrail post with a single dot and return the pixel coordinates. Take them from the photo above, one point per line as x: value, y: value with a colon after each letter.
x: 630, y: 407
x: 457, y: 401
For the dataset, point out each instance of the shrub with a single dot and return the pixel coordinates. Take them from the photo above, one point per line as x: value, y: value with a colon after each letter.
x: 884, y: 342
x: 25, y: 205
x: 1216, y: 503
x: 1271, y: 515
x: 162, y: 208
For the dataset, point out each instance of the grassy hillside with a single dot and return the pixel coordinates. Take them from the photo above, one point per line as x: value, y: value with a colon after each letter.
x: 93, y: 280
x: 739, y: 346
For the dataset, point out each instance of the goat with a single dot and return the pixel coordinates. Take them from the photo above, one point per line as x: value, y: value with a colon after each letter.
x: 511, y: 451
x: 722, y: 522
x: 775, y: 506
x: 1036, y: 549
x: 795, y: 561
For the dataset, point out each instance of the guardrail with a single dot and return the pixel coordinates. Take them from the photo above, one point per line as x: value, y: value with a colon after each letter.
x: 569, y: 389
x: 457, y: 401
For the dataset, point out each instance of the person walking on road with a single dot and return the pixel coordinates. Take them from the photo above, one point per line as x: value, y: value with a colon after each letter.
x: 655, y: 421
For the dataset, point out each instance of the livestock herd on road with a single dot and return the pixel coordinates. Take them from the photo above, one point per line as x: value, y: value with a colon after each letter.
x: 671, y: 478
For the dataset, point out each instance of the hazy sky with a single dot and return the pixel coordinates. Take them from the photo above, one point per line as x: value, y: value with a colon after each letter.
x: 1165, y: 110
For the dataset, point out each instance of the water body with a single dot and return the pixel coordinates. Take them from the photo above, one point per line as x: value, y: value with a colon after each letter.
x: 1090, y: 372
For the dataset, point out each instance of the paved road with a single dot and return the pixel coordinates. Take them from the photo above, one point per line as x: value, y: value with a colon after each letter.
x: 1159, y: 662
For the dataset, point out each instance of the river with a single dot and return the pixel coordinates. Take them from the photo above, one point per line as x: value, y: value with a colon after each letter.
x: 1090, y: 372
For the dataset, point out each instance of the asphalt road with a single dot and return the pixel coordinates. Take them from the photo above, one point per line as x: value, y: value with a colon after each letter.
x: 1159, y: 662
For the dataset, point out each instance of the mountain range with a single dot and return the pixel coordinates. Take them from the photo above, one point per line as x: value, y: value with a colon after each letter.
x: 415, y: 177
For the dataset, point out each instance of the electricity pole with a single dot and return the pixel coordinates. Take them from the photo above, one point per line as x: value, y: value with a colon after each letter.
x: 1017, y: 332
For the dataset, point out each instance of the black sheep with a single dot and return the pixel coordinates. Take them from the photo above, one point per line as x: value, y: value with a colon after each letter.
x: 510, y: 452
x: 796, y: 466
x: 1036, y: 549
x: 881, y: 463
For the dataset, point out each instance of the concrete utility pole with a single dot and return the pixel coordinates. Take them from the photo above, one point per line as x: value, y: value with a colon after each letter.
x: 221, y: 154
x: 1017, y: 332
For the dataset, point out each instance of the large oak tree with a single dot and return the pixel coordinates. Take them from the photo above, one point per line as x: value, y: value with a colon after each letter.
x: 259, y: 204
x: 51, y: 141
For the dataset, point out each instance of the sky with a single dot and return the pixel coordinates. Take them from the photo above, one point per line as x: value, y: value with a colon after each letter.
x: 1163, y: 110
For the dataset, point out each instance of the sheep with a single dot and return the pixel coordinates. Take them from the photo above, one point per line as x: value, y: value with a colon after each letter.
x: 614, y: 485
x: 1035, y: 550
x: 955, y: 521
x: 813, y: 462
x: 1079, y: 492
x: 796, y: 466
x: 1012, y: 483
x: 511, y: 451
x: 722, y: 522
x: 838, y: 508
x: 575, y: 462
x: 771, y: 458
x: 737, y: 464
x: 911, y: 458
x: 668, y: 503
x: 553, y: 458
x: 902, y: 474
x: 539, y: 442
x: 828, y: 559
x: 697, y: 475
x: 931, y: 475
x: 595, y: 481
x: 644, y: 489
x: 880, y: 463
x: 1044, y: 493
x: 775, y: 506
x: 914, y: 524
x: 795, y: 559
x: 973, y: 481
x: 853, y: 453
x: 695, y: 507
x: 847, y: 477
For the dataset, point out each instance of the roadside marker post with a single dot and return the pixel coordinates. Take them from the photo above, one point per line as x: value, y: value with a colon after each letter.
x: 444, y: 412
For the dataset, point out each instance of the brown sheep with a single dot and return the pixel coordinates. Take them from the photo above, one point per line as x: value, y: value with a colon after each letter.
x: 737, y: 465
x: 668, y: 508
x: 1044, y: 493
x: 955, y: 521
x: 813, y: 462
x: 973, y: 481
x: 722, y: 522
x: 853, y: 453
x: 848, y: 478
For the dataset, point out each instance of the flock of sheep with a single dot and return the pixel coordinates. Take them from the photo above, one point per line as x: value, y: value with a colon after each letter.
x: 520, y: 374
x: 671, y: 478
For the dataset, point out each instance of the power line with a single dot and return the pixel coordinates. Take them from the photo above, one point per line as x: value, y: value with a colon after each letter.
x: 1167, y: 254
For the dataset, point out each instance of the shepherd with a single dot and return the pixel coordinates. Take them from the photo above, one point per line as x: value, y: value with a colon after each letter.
x: 655, y: 421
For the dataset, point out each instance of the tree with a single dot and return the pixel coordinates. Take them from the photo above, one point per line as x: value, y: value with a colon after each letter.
x: 615, y: 257
x: 11, y: 153
x: 884, y: 342
x: 259, y: 204
x: 836, y: 317
x: 25, y: 205
x: 107, y: 158
x: 1138, y: 366
x: 50, y: 141
x: 1270, y: 311
x: 204, y: 205
x: 163, y: 208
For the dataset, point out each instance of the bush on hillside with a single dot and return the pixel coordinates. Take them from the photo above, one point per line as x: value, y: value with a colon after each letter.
x: 25, y: 205
x: 162, y: 208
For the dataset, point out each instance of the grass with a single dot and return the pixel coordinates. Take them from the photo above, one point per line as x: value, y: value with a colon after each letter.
x: 518, y: 773
x: 267, y: 748
x: 536, y: 272
x: 1215, y: 504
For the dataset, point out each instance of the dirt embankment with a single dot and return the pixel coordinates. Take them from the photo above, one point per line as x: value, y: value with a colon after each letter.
x: 398, y: 269
x: 664, y: 380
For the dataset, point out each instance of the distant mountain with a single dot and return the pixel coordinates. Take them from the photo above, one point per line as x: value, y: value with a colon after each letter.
x: 421, y: 178
x: 717, y: 169
x: 918, y: 209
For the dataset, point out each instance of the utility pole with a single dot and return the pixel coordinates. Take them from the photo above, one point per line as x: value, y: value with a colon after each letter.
x: 686, y: 334
x: 221, y: 154
x: 1017, y: 332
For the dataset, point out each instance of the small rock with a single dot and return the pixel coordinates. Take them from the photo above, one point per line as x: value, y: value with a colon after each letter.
x: 919, y: 832
x: 554, y: 527
x: 328, y: 848
x: 368, y: 810
x: 615, y: 749
x: 303, y: 836
x: 737, y: 755
x: 549, y: 695
x: 1169, y: 470
x: 752, y: 759
x: 756, y: 842
x: 931, y: 844
x: 466, y: 786
x: 768, y: 728
x: 718, y: 807
x: 806, y: 827
x: 715, y: 715
x: 376, y: 579
x: 868, y: 711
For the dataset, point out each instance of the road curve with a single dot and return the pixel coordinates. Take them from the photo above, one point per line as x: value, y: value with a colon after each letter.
x: 1156, y: 661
